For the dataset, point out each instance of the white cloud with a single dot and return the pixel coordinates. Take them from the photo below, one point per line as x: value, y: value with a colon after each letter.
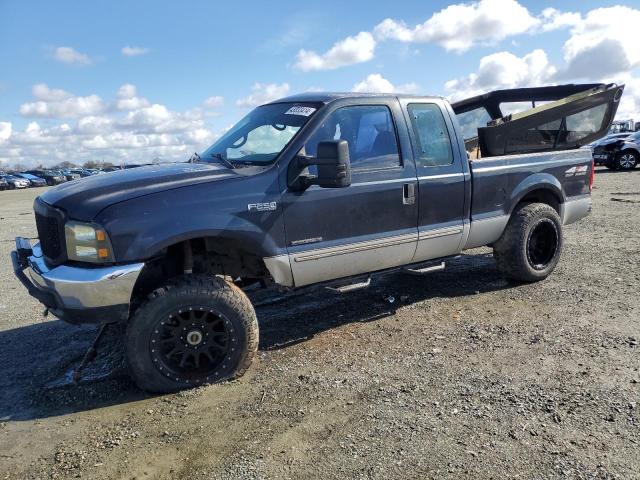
x: 264, y: 93
x: 71, y: 56
x: 555, y: 19
x: 135, y: 134
x: 127, y: 91
x: 376, y: 83
x: 629, y: 106
x: 503, y: 70
x: 56, y: 103
x: 151, y: 116
x: 42, y: 92
x: 5, y: 131
x: 351, y: 50
x: 461, y: 26
x: 94, y: 124
x: 600, y: 44
x: 128, y: 99
x: 214, y: 102
x: 134, y: 51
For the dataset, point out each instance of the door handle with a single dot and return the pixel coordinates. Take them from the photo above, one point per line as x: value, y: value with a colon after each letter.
x: 408, y: 193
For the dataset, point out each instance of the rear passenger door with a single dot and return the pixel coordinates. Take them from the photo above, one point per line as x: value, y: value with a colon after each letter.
x: 370, y: 225
x: 441, y: 180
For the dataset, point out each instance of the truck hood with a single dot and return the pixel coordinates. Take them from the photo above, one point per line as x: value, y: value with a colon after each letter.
x: 84, y: 198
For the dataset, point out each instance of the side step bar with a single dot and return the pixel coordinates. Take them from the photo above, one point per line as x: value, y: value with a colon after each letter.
x: 351, y: 287
x: 360, y: 283
x: 425, y: 268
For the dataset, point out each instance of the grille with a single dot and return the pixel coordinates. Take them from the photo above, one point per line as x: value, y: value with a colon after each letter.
x: 50, y: 225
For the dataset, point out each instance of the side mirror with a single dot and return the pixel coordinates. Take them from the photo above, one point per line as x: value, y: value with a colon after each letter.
x: 334, y: 166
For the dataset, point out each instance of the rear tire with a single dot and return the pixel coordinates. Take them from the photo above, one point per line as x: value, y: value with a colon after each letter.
x: 530, y: 247
x: 194, y: 330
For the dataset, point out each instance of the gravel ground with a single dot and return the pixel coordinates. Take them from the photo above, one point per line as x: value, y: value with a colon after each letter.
x: 459, y: 374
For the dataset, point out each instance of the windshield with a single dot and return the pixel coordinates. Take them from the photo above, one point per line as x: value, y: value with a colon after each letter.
x: 259, y: 137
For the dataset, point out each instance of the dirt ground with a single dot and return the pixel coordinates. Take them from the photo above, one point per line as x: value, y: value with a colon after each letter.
x: 459, y: 374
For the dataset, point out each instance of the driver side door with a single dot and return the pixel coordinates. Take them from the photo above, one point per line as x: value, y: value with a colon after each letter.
x: 370, y: 225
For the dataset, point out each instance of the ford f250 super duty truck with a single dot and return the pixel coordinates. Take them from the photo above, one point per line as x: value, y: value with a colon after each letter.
x: 312, y: 189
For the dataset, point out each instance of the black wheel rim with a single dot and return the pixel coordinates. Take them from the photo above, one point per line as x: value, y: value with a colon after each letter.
x: 193, y: 345
x: 542, y: 244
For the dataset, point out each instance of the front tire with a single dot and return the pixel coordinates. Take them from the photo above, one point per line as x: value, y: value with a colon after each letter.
x: 626, y: 160
x: 530, y: 247
x: 194, y: 330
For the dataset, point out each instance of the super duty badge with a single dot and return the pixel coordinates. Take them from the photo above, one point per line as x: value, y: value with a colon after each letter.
x: 262, y: 207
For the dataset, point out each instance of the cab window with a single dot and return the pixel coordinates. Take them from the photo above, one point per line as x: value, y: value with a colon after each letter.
x: 433, y: 145
x: 370, y: 132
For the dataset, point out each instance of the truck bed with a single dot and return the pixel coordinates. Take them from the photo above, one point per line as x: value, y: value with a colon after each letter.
x: 499, y: 182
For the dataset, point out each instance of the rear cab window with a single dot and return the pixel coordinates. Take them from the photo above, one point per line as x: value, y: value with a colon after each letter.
x: 432, y: 138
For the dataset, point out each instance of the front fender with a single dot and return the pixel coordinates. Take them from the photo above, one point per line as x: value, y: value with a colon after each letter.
x: 141, y: 227
x: 244, y: 235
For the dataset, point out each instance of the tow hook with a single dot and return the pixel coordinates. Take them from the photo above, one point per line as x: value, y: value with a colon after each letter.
x: 89, y: 356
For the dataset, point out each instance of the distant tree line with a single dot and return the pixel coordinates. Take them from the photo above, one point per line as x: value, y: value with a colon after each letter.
x: 18, y: 167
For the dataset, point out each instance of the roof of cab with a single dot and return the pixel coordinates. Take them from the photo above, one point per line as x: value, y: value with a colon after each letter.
x: 326, y: 97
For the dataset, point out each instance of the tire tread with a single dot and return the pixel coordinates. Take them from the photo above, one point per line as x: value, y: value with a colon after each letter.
x: 215, y: 288
x: 510, y: 249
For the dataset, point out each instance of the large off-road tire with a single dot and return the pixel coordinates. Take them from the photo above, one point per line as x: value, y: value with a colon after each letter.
x: 530, y: 247
x: 627, y: 160
x: 195, y: 330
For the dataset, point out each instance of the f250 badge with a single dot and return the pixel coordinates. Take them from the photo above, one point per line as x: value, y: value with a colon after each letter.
x: 262, y: 207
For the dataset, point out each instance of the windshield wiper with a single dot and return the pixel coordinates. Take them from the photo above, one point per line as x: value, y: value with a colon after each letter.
x: 224, y: 160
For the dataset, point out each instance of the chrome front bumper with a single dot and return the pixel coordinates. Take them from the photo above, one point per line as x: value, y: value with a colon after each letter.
x: 76, y: 294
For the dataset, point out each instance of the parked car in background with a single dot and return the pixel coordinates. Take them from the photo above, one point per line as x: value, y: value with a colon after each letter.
x: 34, y: 181
x: 83, y: 172
x: 618, y: 152
x: 15, y: 182
x: 608, y: 138
x: 3, y: 184
x: 50, y: 176
x: 69, y: 175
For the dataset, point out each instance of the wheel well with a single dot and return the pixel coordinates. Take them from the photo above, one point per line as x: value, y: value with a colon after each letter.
x: 630, y: 150
x: 542, y: 195
x: 207, y: 255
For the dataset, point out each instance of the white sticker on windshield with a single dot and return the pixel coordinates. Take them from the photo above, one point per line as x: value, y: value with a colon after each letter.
x: 298, y: 110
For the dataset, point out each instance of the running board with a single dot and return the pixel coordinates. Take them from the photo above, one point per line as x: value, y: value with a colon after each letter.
x: 352, y: 287
x: 427, y: 268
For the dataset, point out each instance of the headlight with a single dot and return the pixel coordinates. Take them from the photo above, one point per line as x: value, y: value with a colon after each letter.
x: 87, y: 243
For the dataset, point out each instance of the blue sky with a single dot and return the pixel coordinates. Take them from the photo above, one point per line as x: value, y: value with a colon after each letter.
x: 193, y: 68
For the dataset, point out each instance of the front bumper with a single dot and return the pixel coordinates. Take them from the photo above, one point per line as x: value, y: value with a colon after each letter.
x: 76, y: 294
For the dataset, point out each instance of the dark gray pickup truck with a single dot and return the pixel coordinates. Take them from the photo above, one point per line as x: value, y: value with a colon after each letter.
x: 312, y: 189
